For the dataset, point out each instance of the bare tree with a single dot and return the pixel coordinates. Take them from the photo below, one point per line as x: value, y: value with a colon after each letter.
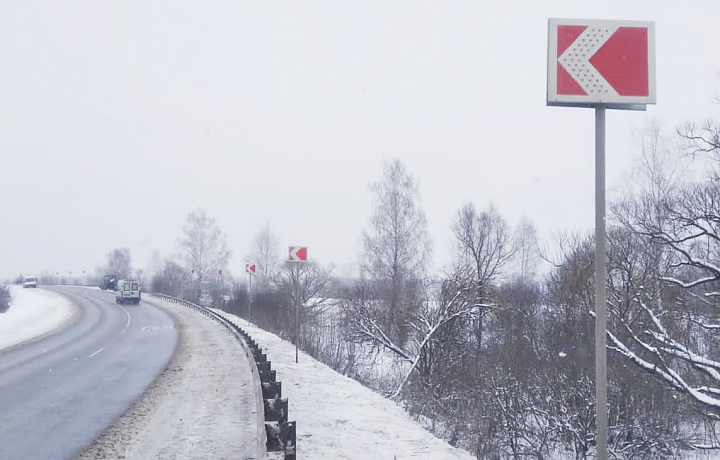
x: 526, y: 250
x: 662, y: 285
x: 397, y: 248
x: 484, y: 247
x: 203, y: 246
x: 702, y: 138
x: 670, y: 317
x: 170, y: 278
x: 118, y: 262
x: 311, y: 280
x: 264, y: 254
x: 453, y: 302
x: 484, y: 244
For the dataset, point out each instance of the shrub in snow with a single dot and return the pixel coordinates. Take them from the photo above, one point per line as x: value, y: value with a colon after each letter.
x: 5, y: 299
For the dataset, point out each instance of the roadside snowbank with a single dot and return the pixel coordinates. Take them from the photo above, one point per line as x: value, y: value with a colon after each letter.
x: 339, y: 418
x: 34, y: 313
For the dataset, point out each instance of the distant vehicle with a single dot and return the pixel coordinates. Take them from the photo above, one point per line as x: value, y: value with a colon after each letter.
x: 29, y: 282
x: 127, y: 291
x: 109, y: 282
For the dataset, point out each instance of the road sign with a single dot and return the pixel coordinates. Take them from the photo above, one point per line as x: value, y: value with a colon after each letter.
x: 298, y: 254
x: 250, y: 268
x: 219, y: 271
x: 604, y: 65
x: 593, y: 62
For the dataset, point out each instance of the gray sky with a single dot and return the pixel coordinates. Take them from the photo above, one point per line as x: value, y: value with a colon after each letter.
x: 119, y: 118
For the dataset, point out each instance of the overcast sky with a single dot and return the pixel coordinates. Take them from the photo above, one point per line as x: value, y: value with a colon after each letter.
x: 117, y: 119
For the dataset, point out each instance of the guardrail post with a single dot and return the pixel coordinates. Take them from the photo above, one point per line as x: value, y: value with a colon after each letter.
x: 289, y: 437
x: 272, y: 390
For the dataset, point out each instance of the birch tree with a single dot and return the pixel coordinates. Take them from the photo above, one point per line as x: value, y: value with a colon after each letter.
x: 264, y: 254
x: 396, y: 248
x: 203, y: 246
x: 119, y: 262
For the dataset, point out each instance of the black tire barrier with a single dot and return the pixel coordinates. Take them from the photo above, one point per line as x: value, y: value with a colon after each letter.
x: 275, y: 432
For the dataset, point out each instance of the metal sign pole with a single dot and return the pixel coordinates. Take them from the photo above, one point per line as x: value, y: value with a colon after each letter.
x: 600, y: 276
x: 250, y: 297
x: 297, y: 309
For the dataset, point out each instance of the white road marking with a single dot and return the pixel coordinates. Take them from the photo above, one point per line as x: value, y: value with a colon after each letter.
x: 128, y: 321
x: 101, y: 349
x: 156, y: 328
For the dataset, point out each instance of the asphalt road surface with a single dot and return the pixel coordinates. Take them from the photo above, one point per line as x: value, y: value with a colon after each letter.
x: 59, y: 393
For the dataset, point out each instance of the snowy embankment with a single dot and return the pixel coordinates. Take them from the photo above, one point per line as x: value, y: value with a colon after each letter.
x: 339, y: 418
x: 33, y: 314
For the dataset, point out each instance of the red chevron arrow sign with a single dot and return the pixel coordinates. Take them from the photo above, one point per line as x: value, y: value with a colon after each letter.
x: 592, y: 62
x: 298, y: 254
x: 250, y: 268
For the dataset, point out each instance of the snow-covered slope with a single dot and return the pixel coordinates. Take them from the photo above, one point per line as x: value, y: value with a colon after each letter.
x: 339, y: 418
x: 34, y: 313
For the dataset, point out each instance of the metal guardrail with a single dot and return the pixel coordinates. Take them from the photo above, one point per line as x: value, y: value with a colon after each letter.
x: 275, y: 432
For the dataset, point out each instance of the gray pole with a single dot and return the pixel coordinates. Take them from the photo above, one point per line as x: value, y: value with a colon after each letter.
x: 600, y: 275
x: 250, y: 298
x: 297, y: 309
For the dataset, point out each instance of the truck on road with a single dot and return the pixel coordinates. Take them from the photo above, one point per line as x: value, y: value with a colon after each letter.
x: 109, y: 282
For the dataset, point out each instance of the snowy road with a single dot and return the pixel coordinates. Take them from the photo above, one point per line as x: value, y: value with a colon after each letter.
x: 59, y: 393
x: 202, y: 406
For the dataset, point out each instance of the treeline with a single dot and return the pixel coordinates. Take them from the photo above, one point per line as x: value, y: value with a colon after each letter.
x: 499, y: 359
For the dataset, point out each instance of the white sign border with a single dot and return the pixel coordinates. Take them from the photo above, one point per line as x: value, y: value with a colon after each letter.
x: 621, y: 102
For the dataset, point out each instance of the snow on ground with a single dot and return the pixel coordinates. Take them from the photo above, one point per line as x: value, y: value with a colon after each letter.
x: 339, y: 418
x: 201, y: 407
x: 34, y: 313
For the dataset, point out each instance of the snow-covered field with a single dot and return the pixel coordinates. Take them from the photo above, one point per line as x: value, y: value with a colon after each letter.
x: 34, y: 313
x: 339, y: 418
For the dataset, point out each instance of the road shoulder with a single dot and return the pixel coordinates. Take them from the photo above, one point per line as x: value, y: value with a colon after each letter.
x: 201, y: 406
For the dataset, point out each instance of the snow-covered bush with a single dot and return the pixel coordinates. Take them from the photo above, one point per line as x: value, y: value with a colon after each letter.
x: 5, y: 298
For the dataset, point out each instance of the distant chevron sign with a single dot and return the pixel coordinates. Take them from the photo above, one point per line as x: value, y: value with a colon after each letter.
x: 592, y: 62
x: 298, y: 254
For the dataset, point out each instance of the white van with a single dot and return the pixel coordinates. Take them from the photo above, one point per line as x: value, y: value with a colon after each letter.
x: 29, y: 282
x: 127, y: 291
